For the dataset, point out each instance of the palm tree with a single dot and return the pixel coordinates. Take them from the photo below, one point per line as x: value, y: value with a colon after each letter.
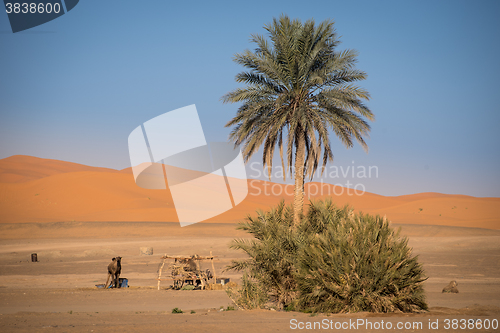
x: 297, y: 89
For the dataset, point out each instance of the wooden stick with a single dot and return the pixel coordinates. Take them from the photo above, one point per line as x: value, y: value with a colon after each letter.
x: 159, y: 273
x: 188, y: 257
x: 213, y: 268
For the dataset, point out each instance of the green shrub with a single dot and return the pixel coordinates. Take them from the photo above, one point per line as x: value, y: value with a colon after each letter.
x: 177, y: 310
x: 357, y: 263
x: 334, y: 261
x: 251, y: 295
x: 269, y: 271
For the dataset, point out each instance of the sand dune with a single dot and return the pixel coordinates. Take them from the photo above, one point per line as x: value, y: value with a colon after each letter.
x: 21, y: 168
x: 42, y: 190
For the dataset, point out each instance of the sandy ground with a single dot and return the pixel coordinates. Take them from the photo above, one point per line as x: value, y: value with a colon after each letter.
x: 457, y: 237
x: 58, y: 293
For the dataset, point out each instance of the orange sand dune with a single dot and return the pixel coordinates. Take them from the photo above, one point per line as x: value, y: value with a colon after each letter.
x: 41, y: 190
x: 21, y: 168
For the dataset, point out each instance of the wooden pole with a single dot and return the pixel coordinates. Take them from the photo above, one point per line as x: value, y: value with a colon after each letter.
x: 213, y: 267
x: 187, y: 257
x: 159, y: 273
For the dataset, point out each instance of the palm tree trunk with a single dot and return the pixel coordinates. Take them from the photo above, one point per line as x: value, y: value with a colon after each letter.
x: 298, y: 199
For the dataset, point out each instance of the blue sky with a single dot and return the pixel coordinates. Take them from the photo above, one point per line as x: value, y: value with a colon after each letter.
x: 74, y: 88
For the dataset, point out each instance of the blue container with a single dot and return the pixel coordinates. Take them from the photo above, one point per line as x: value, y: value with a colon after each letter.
x: 123, y: 283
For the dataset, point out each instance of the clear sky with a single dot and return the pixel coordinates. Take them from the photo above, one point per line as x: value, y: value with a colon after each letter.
x: 74, y: 88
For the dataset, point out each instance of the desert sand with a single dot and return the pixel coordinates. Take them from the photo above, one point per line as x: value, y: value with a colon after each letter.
x: 76, y: 218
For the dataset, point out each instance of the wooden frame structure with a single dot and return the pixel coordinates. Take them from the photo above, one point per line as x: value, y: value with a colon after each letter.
x: 184, y: 269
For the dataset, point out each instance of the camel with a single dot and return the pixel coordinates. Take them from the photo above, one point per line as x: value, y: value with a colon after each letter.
x: 451, y: 287
x: 114, y: 270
